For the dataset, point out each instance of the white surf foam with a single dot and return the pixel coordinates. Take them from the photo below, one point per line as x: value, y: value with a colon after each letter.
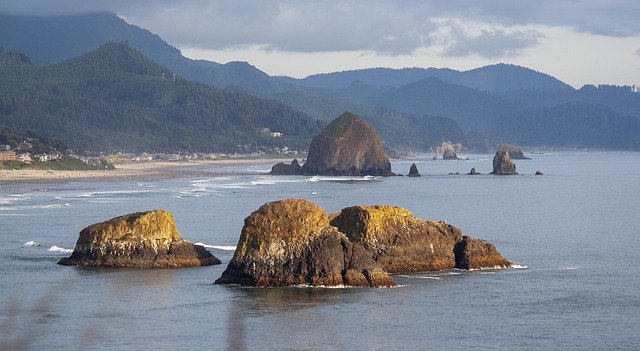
x: 59, y: 249
x: 421, y: 277
x: 341, y: 179
x: 218, y: 247
x: 517, y: 266
x: 31, y: 243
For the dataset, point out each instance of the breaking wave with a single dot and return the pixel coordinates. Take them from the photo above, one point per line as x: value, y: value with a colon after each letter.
x: 217, y: 247
x: 59, y: 249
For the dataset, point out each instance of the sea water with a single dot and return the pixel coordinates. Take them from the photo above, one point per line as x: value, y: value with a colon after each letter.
x: 572, y: 232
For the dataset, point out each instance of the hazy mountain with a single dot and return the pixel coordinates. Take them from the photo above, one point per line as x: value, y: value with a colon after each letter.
x: 53, y: 39
x: 115, y: 98
x: 400, y: 131
x: 575, y: 124
x: 493, y: 78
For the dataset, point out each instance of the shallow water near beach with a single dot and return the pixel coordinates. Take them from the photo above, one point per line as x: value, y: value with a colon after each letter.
x: 573, y: 233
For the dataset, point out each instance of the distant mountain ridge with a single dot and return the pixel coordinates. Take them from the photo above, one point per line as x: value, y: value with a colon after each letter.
x: 48, y: 40
x: 116, y: 99
x: 493, y: 78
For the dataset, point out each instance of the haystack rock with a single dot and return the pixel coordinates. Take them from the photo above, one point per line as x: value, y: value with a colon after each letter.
x: 502, y: 164
x: 514, y: 151
x: 286, y: 169
x: 347, y: 147
x: 142, y: 239
x: 290, y: 242
x: 413, y: 171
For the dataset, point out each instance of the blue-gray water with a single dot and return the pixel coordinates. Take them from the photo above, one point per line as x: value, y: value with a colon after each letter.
x: 575, y: 229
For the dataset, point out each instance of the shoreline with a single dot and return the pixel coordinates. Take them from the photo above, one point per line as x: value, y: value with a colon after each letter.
x: 129, y: 171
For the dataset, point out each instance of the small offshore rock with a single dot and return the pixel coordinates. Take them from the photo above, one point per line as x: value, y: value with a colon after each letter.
x: 473, y: 172
x: 413, y: 171
x: 282, y: 168
x: 477, y: 254
x: 539, y: 173
x: 141, y: 239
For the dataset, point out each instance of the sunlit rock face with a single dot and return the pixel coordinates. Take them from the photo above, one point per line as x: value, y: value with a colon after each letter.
x: 502, y: 164
x: 142, y: 239
x: 290, y: 242
x: 294, y: 242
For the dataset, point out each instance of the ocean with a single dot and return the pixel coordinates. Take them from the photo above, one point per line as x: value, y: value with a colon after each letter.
x: 572, y: 232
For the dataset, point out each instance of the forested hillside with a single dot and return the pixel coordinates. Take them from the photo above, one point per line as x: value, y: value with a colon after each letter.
x: 115, y: 98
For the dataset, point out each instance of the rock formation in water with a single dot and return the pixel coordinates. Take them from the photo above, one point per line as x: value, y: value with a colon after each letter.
x: 539, y: 173
x: 514, y: 151
x: 142, y: 239
x: 449, y: 154
x: 290, y: 242
x: 398, y: 241
x: 413, y: 171
x: 476, y: 254
x: 502, y: 164
x: 473, y: 172
x: 286, y: 169
x: 348, y: 147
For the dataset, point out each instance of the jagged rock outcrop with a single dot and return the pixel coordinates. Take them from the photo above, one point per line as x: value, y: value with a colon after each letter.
x: 514, y: 151
x: 413, y: 171
x: 142, y: 239
x: 290, y: 242
x: 475, y: 254
x: 348, y: 147
x: 281, y: 168
x: 502, y: 164
x: 473, y: 172
x: 293, y: 241
x: 539, y: 173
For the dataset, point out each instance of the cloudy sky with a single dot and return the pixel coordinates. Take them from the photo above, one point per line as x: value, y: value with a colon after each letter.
x: 578, y: 41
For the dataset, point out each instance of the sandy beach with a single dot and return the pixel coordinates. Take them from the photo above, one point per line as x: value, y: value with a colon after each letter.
x: 126, y: 171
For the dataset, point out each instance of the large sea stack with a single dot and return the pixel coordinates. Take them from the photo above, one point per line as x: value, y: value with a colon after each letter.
x: 142, y: 239
x: 347, y: 147
x: 502, y: 164
x: 514, y: 151
x: 291, y: 242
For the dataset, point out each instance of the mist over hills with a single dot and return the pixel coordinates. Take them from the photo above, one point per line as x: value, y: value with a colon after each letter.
x: 413, y: 108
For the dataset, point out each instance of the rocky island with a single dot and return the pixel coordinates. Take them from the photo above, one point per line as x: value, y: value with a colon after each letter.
x: 514, y: 151
x: 141, y: 239
x: 413, y: 171
x: 502, y: 164
x: 347, y: 146
x: 293, y: 241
